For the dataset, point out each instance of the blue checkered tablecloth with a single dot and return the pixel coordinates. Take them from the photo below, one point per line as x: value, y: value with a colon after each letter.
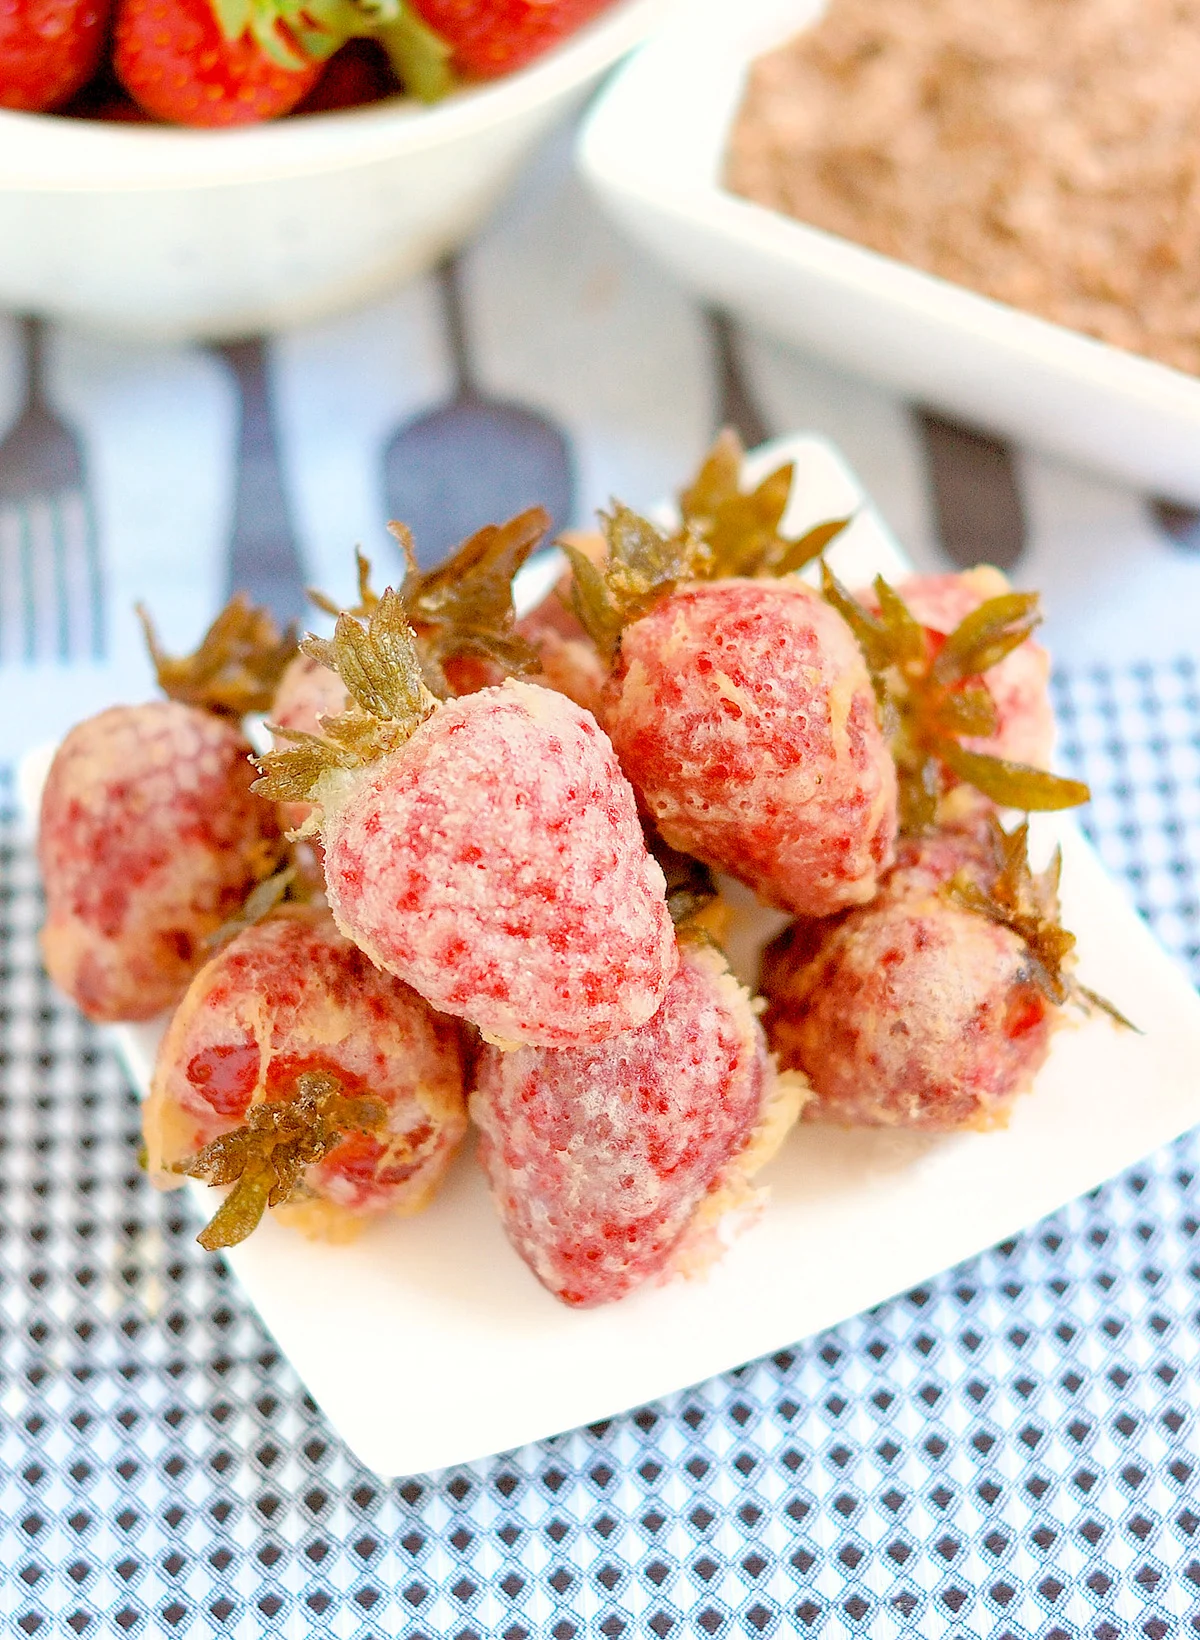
x: 1009, y: 1450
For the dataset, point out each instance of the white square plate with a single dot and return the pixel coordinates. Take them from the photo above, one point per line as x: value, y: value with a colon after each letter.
x: 653, y: 149
x: 428, y: 1342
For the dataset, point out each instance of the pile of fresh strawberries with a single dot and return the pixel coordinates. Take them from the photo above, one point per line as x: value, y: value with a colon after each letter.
x: 480, y: 873
x: 235, y: 62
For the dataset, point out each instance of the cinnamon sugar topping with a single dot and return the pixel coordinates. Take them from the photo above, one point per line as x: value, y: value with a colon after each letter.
x: 1042, y: 152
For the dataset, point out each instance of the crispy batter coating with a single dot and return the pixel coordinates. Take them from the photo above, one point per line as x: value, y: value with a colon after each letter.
x: 615, y: 1164
x: 496, y: 864
x: 743, y: 714
x: 150, y: 839
x: 909, y: 1012
x: 292, y: 995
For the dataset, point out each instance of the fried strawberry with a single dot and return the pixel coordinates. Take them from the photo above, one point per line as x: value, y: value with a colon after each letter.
x: 1018, y: 683
x: 568, y: 659
x: 485, y: 850
x: 742, y: 714
x: 962, y: 691
x: 934, y: 1006
x: 615, y: 1164
x: 319, y: 1084
x: 150, y: 835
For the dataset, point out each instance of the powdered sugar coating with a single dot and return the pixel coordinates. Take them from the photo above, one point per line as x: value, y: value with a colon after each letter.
x: 602, y: 1159
x: 292, y: 995
x: 909, y: 1012
x: 150, y: 839
x: 743, y: 714
x: 495, y: 863
x: 1019, y: 684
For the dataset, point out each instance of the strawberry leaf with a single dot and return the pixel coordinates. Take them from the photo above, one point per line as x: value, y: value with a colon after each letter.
x: 236, y: 668
x: 926, y: 702
x: 266, y: 1157
x: 1027, y: 904
x: 1012, y: 785
x: 985, y: 636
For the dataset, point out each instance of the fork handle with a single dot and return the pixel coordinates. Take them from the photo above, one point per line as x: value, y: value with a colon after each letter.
x: 264, y: 560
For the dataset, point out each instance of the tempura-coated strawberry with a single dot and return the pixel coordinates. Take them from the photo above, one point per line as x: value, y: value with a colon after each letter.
x: 630, y: 1160
x: 569, y: 660
x: 496, y: 864
x: 291, y: 997
x: 743, y: 714
x: 913, y: 1011
x: 959, y: 703
x: 1019, y: 684
x: 150, y: 839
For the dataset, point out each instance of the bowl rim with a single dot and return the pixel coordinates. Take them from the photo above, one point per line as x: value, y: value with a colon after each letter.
x: 40, y: 152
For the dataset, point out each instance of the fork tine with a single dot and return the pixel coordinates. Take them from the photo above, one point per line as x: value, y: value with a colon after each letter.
x: 93, y: 579
x: 79, y: 598
x: 44, y: 567
x: 28, y: 638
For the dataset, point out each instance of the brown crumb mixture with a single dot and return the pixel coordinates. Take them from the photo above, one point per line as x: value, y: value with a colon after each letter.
x: 1044, y: 152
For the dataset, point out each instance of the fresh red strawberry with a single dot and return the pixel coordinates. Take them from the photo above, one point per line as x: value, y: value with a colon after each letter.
x: 492, y: 37
x: 289, y: 999
x: 485, y: 850
x: 150, y: 835
x: 179, y: 64
x: 358, y: 73
x: 48, y: 50
x: 923, y: 1009
x: 615, y: 1164
x: 739, y: 702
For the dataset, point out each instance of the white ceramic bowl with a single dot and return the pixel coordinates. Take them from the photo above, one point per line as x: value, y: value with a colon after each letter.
x: 179, y: 232
x: 653, y: 149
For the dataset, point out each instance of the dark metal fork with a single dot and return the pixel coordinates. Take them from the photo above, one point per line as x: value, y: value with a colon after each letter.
x: 264, y: 560
x: 51, y: 591
x: 976, y: 496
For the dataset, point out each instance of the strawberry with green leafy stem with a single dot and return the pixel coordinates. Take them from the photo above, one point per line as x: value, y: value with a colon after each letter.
x: 462, y: 618
x: 485, y: 849
x: 236, y: 62
x: 738, y: 700
x: 947, y: 724
x: 312, y: 1082
x: 150, y: 836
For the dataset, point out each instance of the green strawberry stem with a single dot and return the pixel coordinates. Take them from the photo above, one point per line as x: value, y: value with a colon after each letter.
x: 265, y: 1159
x: 294, y: 33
